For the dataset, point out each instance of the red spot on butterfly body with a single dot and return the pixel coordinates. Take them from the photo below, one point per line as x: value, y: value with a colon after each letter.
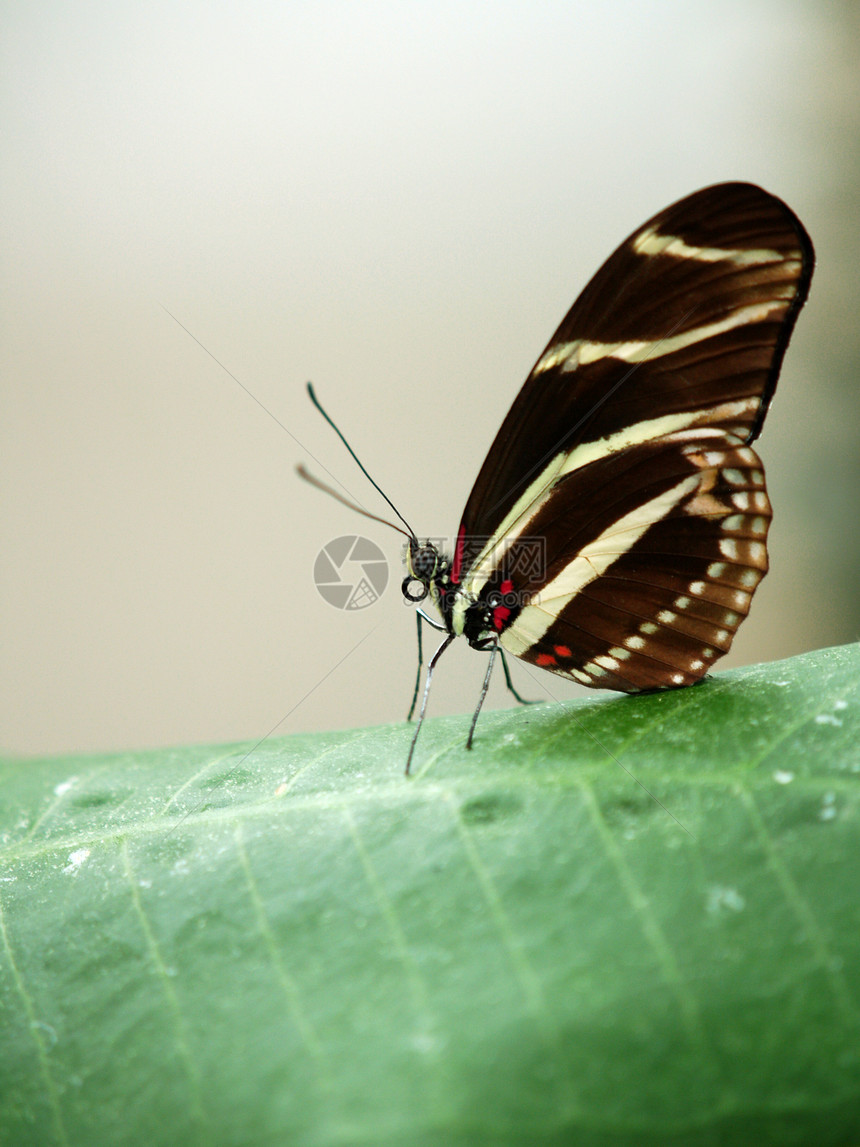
x: 545, y: 659
x: 562, y: 650
x: 500, y: 615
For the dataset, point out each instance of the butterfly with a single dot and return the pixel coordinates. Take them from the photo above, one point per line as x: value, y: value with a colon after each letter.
x: 617, y: 529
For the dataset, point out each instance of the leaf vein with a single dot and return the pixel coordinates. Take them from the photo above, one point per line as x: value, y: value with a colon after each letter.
x: 654, y: 934
x: 289, y: 986
x: 798, y: 904
x: 181, y: 1028
x: 38, y: 1039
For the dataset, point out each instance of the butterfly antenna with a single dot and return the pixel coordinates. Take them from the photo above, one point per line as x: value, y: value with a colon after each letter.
x: 330, y: 490
x: 355, y: 459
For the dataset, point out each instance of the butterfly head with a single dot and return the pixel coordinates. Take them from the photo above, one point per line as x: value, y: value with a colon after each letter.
x: 425, y: 566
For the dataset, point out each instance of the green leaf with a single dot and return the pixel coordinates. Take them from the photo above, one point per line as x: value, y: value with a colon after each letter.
x: 617, y: 921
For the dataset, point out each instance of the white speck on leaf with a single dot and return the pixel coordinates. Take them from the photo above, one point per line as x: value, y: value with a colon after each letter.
x: 426, y: 1043
x: 721, y: 899
x: 828, y: 719
x: 840, y: 705
x: 50, y: 1032
x: 63, y: 787
x: 783, y: 777
x: 76, y: 859
x: 828, y: 807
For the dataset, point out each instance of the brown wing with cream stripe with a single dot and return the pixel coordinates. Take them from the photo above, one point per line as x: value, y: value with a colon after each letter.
x: 649, y: 572
x: 685, y: 325
x: 626, y: 455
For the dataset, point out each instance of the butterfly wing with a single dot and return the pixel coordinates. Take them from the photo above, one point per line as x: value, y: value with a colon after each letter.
x: 626, y: 454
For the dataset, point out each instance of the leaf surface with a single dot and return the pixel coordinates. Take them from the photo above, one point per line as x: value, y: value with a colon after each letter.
x: 617, y: 921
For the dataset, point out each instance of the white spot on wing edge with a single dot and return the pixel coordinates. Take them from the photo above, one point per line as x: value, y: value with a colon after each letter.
x: 619, y: 654
x: 729, y: 548
x: 760, y: 501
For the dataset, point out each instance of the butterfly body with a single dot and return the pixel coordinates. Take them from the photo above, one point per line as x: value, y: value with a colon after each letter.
x: 617, y: 529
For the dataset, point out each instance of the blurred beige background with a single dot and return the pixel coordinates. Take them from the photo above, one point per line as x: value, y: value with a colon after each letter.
x: 399, y: 201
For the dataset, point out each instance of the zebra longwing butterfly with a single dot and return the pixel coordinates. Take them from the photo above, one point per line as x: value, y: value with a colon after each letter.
x: 617, y: 529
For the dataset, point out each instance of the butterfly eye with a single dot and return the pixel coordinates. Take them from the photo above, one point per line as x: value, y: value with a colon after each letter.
x: 424, y: 589
x: 423, y: 563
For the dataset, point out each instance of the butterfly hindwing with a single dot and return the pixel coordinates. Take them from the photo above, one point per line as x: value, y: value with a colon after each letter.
x: 657, y: 572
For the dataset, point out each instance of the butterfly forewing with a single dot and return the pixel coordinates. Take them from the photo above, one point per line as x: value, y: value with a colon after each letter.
x: 689, y: 317
x: 626, y: 455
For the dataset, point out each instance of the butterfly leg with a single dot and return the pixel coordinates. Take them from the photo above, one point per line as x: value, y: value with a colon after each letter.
x: 431, y: 666
x: 417, y: 671
x: 420, y: 616
x: 494, y: 649
x: 509, y: 682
